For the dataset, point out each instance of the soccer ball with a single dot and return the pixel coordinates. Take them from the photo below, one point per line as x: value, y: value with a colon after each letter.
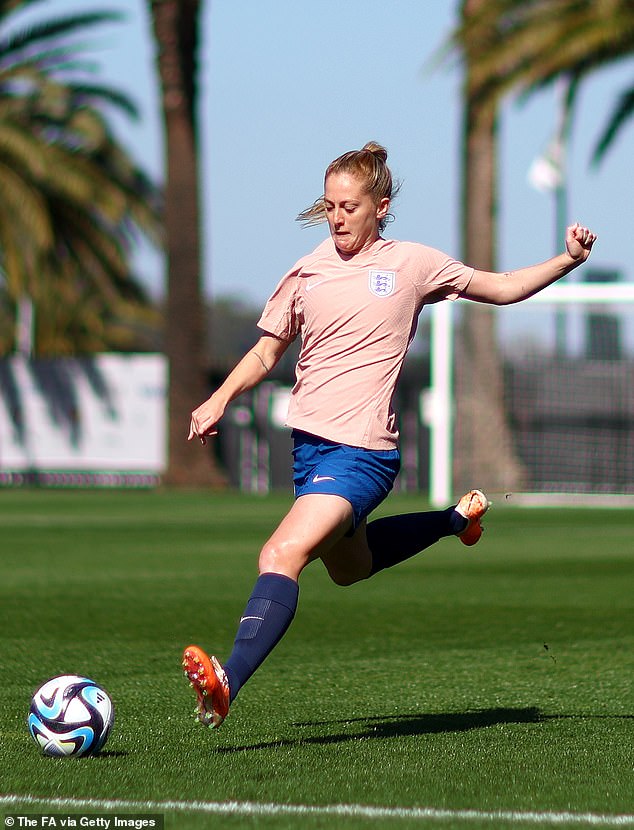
x: 70, y: 715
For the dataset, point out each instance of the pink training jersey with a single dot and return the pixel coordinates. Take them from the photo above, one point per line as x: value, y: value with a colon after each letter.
x: 357, y: 318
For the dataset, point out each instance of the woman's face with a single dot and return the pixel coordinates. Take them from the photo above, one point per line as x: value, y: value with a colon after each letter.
x: 353, y: 216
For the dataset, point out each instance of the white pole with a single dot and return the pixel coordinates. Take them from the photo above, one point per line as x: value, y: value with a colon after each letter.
x: 439, y: 411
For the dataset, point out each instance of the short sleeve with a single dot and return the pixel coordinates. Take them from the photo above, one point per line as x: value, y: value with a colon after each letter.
x: 282, y: 316
x: 439, y: 276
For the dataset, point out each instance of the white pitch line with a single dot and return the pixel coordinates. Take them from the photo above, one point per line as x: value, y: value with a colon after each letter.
x: 251, y: 808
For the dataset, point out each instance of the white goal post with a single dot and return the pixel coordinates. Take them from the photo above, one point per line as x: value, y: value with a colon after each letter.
x: 438, y: 401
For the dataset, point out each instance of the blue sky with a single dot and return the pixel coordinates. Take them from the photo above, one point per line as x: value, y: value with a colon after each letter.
x: 287, y: 86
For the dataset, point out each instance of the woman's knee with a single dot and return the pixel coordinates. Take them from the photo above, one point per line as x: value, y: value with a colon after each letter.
x: 283, y: 558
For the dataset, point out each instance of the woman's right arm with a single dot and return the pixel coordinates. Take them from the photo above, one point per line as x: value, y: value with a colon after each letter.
x: 253, y: 368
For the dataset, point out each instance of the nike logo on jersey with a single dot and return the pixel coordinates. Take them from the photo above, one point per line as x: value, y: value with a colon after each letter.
x: 318, y: 478
x: 311, y: 285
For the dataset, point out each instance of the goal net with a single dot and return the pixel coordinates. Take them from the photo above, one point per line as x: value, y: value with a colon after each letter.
x: 568, y: 366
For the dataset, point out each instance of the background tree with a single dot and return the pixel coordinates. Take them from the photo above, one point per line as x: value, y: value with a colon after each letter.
x: 505, y: 46
x: 539, y: 41
x: 74, y: 203
x: 484, y: 455
x: 177, y: 28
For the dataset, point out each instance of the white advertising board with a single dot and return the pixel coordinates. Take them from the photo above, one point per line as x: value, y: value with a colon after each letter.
x: 103, y: 414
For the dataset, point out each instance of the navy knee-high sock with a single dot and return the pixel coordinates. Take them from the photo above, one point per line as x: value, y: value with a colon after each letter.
x: 269, y: 612
x: 394, y: 539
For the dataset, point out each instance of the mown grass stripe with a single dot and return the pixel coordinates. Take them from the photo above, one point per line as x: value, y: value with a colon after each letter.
x: 251, y: 808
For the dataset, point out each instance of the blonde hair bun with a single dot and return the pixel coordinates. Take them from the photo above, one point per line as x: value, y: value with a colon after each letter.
x: 376, y: 150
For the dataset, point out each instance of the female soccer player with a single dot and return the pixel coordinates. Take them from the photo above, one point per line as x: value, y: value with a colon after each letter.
x: 355, y: 302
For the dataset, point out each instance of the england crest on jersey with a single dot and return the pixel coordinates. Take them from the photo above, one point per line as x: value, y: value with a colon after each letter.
x: 382, y: 283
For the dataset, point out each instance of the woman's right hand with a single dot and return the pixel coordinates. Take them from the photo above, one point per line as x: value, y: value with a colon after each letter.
x: 204, y: 420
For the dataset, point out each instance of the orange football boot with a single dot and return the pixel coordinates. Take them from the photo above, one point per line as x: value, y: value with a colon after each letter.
x: 209, y: 681
x: 473, y: 505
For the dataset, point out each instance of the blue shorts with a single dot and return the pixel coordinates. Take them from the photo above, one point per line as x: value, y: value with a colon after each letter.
x: 362, y: 477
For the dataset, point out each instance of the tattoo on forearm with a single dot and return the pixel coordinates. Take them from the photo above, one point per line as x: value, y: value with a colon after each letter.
x: 259, y: 357
x: 509, y: 273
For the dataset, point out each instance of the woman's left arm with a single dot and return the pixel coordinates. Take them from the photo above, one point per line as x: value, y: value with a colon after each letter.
x: 514, y: 286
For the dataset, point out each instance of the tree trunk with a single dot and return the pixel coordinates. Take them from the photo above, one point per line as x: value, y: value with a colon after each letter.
x: 176, y: 31
x: 484, y: 454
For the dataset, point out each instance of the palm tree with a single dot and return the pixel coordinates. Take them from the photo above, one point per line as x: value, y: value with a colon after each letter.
x: 539, y: 41
x: 73, y: 201
x: 176, y: 27
x: 508, y: 45
x: 483, y: 444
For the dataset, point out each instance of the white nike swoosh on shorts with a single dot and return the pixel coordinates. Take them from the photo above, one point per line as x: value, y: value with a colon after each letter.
x: 318, y: 478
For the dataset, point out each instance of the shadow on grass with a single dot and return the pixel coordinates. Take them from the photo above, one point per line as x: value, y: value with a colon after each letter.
x: 400, y: 726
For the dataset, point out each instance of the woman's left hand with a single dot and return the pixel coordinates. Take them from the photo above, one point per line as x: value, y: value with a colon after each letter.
x: 579, y: 242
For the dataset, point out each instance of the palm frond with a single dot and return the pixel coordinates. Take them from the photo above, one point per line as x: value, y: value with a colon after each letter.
x: 57, y: 60
x: 526, y: 45
x: 31, y: 36
x: 95, y: 93
x: 26, y: 204
x: 520, y: 46
x: 20, y: 152
x: 622, y: 112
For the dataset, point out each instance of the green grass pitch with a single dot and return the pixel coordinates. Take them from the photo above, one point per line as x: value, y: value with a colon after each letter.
x: 482, y: 687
